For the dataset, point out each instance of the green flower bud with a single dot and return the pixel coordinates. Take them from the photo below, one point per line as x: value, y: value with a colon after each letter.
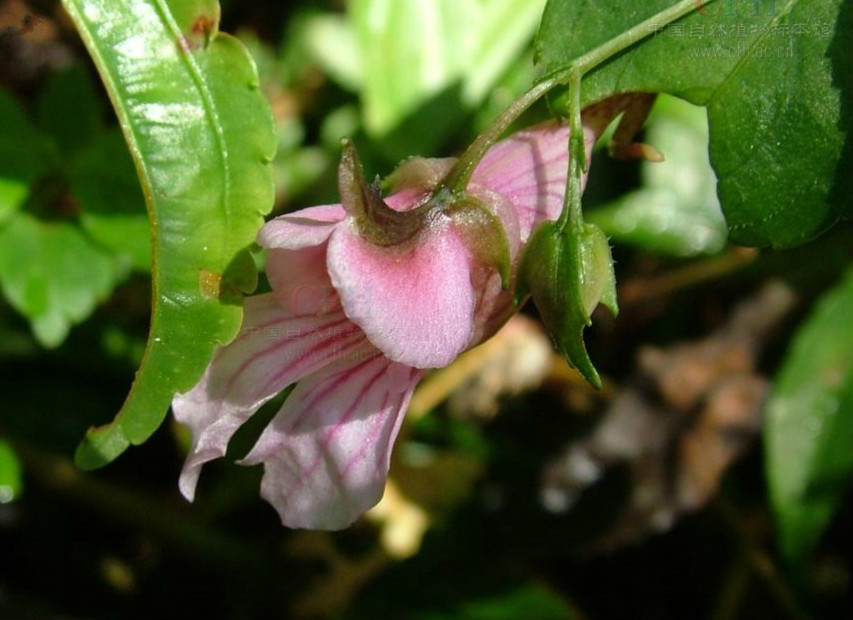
x: 568, y: 274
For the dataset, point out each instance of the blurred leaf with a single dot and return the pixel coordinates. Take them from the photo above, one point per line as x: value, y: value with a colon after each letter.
x: 11, y: 481
x: 470, y: 589
x: 809, y: 428
x: 296, y: 166
x: 502, y: 29
x: 332, y: 43
x: 775, y: 81
x: 104, y: 183
x: 434, y: 59
x: 68, y: 109
x: 24, y: 155
x: 528, y: 600
x: 411, y: 52
x: 52, y: 274
x: 676, y: 211
x: 202, y: 138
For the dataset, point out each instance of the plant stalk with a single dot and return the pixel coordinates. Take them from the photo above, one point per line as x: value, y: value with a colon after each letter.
x: 459, y: 176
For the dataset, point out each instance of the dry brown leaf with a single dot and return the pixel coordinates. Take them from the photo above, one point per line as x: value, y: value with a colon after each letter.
x: 686, y: 415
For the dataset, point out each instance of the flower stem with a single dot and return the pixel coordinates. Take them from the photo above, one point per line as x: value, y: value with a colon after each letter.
x: 610, y: 48
x: 571, y: 213
x: 459, y: 176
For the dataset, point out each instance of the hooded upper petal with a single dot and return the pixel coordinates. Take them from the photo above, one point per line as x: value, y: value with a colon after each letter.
x: 326, y: 453
x: 416, y: 301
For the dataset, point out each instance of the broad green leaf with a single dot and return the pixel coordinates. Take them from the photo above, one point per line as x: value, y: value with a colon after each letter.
x: 676, y: 210
x: 25, y: 153
x: 433, y: 61
x: 69, y: 110
x: 809, y: 430
x: 105, y: 185
x: 774, y: 77
x: 202, y: 139
x: 52, y: 274
x: 11, y: 482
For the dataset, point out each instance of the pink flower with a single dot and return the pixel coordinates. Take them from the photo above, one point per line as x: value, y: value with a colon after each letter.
x: 366, y: 295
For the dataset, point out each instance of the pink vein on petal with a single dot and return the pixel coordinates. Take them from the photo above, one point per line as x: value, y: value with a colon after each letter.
x: 299, y: 422
x: 275, y: 347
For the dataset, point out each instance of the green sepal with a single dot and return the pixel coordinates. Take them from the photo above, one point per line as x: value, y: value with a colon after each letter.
x: 376, y: 221
x: 598, y: 279
x: 484, y: 234
x: 568, y: 273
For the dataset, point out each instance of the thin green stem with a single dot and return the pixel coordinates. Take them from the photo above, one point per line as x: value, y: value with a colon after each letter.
x: 459, y: 176
x: 571, y: 214
x: 607, y: 50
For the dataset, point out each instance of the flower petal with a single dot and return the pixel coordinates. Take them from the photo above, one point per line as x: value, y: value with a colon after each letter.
x: 274, y: 349
x: 415, y: 303
x: 301, y: 229
x: 300, y: 281
x: 529, y: 168
x: 326, y: 453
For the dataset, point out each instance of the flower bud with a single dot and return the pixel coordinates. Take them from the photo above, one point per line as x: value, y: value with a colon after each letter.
x: 568, y: 273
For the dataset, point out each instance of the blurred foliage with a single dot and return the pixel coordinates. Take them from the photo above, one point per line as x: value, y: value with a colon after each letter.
x: 466, y: 530
x: 675, y: 211
x: 11, y: 483
x: 63, y: 278
x: 810, y: 426
x: 81, y: 222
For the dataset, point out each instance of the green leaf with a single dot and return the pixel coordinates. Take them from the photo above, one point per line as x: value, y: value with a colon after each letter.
x: 25, y: 154
x: 52, y: 274
x: 11, y: 482
x: 809, y: 429
x: 69, y: 110
x: 202, y: 139
x: 105, y: 185
x: 676, y: 210
x: 774, y: 76
x: 433, y: 60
